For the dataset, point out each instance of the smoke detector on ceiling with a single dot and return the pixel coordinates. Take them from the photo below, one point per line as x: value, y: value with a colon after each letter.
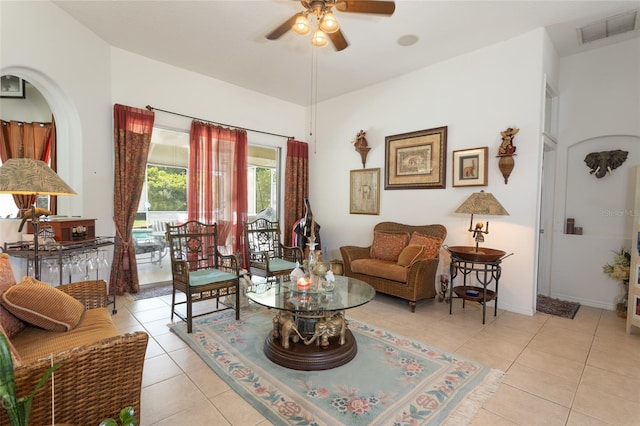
x: 614, y: 25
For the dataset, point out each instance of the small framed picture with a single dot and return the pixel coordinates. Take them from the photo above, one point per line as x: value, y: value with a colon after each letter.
x: 470, y: 167
x: 11, y: 87
x: 364, y: 191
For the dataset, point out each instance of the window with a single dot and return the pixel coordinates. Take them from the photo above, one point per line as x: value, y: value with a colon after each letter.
x: 263, y: 179
x: 164, y: 195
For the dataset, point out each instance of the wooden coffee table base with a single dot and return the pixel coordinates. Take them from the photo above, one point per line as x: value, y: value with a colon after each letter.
x: 311, y: 357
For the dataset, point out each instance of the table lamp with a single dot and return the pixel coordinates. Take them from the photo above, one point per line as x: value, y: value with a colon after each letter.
x: 482, y: 203
x: 32, y: 177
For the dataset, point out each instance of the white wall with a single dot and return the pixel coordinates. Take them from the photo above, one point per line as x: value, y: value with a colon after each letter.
x: 70, y: 67
x: 476, y: 95
x: 81, y: 77
x: 599, y: 110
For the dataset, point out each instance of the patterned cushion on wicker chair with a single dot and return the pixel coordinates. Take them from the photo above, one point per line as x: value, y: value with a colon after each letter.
x: 10, y: 324
x: 42, y: 305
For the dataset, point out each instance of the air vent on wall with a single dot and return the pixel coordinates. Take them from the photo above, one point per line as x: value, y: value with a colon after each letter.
x: 614, y: 25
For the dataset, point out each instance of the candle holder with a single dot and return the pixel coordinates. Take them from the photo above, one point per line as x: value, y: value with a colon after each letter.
x: 303, y: 284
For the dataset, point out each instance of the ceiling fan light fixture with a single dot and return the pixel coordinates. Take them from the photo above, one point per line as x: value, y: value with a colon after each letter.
x: 319, y: 39
x: 329, y: 24
x: 301, y: 26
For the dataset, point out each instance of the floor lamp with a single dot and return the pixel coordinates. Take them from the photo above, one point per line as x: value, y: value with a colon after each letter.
x: 32, y: 177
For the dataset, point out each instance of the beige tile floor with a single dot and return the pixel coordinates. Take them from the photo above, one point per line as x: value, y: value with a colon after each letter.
x: 584, y: 371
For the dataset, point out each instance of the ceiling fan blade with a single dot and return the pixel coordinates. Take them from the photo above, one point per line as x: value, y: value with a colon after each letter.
x: 283, y: 28
x: 338, y: 40
x: 366, y: 6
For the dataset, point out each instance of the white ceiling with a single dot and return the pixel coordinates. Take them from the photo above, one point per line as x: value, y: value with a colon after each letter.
x: 226, y: 39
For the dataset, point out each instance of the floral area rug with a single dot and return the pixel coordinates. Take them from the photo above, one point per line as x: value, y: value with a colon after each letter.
x: 393, y: 380
x: 561, y: 308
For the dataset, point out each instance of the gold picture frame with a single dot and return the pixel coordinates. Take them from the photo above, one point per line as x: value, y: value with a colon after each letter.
x: 470, y: 167
x: 416, y: 160
x: 364, y: 191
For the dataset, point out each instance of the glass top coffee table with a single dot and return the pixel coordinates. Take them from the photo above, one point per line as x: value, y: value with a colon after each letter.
x: 309, y: 329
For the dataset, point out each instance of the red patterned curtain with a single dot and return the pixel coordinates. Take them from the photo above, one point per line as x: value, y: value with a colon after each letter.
x: 26, y: 140
x: 296, y: 184
x: 131, y: 140
x: 217, y: 181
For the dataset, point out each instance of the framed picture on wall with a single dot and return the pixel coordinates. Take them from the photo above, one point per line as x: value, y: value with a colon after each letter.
x: 11, y: 87
x: 470, y: 167
x: 416, y: 160
x: 364, y: 191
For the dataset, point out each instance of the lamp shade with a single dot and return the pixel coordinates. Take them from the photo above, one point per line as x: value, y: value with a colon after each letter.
x: 319, y: 39
x: 482, y: 203
x: 328, y: 23
x: 301, y: 25
x: 28, y: 177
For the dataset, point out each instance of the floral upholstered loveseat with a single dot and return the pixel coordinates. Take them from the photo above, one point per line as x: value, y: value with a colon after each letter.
x: 401, y: 261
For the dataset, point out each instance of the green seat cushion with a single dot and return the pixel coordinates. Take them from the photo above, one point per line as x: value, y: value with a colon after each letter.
x: 209, y: 276
x: 277, y: 265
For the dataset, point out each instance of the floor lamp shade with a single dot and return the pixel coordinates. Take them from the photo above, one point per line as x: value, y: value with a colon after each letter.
x: 27, y: 176
x: 32, y: 177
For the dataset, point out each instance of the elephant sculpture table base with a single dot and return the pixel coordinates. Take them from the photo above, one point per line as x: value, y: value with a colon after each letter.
x: 329, y: 346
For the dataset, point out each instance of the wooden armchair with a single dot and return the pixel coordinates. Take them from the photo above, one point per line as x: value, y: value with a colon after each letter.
x: 199, y: 270
x: 268, y: 257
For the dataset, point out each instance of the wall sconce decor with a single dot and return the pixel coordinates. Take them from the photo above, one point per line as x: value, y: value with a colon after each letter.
x: 506, y: 152
x: 362, y: 146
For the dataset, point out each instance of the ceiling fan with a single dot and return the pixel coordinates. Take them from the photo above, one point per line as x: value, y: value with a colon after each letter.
x: 327, y: 23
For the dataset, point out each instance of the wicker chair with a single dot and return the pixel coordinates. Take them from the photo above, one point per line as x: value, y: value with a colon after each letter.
x: 200, y: 271
x: 95, y: 381
x: 268, y: 257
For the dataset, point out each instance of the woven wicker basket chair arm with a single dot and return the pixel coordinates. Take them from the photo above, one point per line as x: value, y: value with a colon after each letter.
x: 94, y: 382
x: 92, y: 294
x: 423, y: 272
x: 351, y: 253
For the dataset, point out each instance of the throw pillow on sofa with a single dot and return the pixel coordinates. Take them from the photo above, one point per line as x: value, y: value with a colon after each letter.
x: 10, y: 324
x: 388, y: 245
x: 431, y: 244
x: 42, y: 305
x: 410, y: 254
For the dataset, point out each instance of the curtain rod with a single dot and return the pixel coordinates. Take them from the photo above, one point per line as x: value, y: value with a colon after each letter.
x: 150, y: 108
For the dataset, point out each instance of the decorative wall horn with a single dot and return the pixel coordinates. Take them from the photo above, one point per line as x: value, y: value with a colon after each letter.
x: 602, y: 162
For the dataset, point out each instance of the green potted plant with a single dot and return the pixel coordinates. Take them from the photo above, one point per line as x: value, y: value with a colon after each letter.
x: 18, y: 409
x: 126, y: 416
x: 619, y: 270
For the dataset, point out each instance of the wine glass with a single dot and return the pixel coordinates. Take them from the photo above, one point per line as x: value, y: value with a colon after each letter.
x: 90, y: 264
